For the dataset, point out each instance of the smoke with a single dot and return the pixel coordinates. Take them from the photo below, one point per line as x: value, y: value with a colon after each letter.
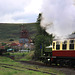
x: 58, y: 17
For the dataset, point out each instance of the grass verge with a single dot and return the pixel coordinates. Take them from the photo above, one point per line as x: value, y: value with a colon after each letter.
x: 17, y: 68
x: 22, y: 56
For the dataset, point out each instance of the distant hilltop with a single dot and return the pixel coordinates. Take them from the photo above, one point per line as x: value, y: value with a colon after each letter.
x: 12, y: 30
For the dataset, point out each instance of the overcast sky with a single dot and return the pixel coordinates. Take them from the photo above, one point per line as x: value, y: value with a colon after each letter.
x: 19, y: 11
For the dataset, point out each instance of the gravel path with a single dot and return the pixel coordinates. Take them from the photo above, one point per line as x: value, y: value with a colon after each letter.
x: 66, y: 71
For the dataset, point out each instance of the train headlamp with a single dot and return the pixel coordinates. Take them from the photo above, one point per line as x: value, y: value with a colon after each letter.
x: 43, y: 54
x: 48, y: 59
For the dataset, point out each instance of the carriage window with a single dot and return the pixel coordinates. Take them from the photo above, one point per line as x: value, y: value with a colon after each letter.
x: 64, y: 45
x: 71, y: 45
x: 53, y: 45
x: 65, y: 42
x: 57, y: 45
x: 72, y: 41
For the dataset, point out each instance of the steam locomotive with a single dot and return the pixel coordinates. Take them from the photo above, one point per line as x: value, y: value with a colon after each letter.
x: 60, y: 53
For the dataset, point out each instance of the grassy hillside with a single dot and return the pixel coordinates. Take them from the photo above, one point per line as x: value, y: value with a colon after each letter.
x: 8, y: 30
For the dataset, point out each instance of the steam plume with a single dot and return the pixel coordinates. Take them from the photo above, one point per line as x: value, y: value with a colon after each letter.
x: 58, y: 17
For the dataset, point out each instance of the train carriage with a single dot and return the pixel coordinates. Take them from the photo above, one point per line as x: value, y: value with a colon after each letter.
x: 63, y: 52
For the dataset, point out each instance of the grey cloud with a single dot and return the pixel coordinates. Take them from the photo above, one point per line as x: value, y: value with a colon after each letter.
x: 18, y: 10
x: 11, y: 6
x: 31, y: 17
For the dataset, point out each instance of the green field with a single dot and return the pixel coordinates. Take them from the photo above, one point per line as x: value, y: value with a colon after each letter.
x: 9, y: 30
x: 10, y: 67
x: 22, y: 56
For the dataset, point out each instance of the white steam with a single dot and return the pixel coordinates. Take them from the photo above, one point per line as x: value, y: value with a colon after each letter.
x: 58, y: 17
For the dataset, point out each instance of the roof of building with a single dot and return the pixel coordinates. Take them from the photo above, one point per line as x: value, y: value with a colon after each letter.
x: 14, y: 44
x: 72, y: 36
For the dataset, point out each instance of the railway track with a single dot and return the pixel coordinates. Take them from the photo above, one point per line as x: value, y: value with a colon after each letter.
x: 46, y: 65
x: 18, y: 68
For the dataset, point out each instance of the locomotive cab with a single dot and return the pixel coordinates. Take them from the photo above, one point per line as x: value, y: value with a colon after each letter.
x: 46, y: 54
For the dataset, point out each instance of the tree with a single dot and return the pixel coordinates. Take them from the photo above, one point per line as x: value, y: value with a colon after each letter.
x: 73, y: 33
x: 11, y: 40
x: 42, y: 39
x: 38, y: 43
x: 3, y: 44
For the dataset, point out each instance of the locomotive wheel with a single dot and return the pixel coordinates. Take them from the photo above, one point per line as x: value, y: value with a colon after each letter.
x: 60, y: 62
x: 50, y: 62
x: 56, y: 63
x: 71, y: 63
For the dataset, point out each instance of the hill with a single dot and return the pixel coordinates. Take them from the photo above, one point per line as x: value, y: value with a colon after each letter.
x: 12, y: 30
